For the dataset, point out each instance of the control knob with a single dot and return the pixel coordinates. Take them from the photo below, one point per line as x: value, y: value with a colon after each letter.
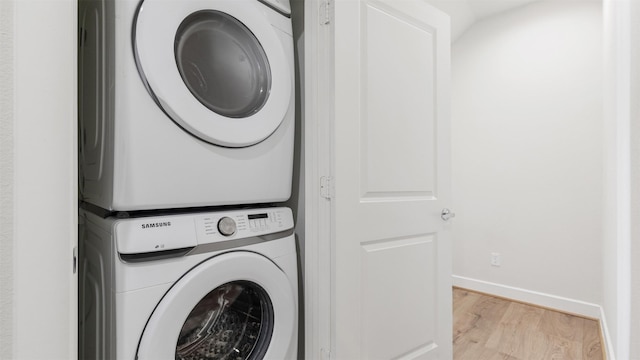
x: 227, y: 226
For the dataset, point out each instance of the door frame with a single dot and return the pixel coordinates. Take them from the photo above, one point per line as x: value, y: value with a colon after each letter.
x: 618, y: 313
x: 318, y: 154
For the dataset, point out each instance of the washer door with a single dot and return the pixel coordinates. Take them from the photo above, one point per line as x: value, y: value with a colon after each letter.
x: 217, y: 68
x: 237, y: 305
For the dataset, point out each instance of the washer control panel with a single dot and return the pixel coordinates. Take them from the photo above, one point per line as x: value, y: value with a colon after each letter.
x: 215, y: 227
x: 162, y: 233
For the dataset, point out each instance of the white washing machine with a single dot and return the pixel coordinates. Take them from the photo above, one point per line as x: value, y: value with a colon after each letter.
x: 185, y: 103
x: 219, y: 285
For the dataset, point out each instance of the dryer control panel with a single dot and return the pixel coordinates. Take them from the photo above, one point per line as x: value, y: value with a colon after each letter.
x: 171, y: 232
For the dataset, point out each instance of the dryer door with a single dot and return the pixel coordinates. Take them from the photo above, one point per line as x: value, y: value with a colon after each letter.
x: 238, y: 305
x: 217, y: 68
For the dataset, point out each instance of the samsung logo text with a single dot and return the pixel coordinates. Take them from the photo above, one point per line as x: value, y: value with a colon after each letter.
x: 156, y: 225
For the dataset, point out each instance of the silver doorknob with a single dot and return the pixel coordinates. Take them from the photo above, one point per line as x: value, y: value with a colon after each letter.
x: 446, y: 214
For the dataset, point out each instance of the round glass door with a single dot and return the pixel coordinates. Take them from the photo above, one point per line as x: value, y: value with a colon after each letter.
x: 236, y: 305
x: 222, y: 63
x: 219, y: 69
x: 233, y: 321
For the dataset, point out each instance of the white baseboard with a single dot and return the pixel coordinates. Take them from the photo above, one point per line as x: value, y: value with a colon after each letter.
x: 567, y: 305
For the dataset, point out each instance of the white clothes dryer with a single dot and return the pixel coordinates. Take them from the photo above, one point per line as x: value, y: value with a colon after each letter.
x: 219, y: 285
x: 185, y: 103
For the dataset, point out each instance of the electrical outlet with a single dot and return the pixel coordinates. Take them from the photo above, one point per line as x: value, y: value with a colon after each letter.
x: 495, y: 259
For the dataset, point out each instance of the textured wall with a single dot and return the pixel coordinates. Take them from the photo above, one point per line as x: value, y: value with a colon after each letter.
x: 6, y: 179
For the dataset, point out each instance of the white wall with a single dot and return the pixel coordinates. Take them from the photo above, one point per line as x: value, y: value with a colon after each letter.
x: 38, y: 210
x: 528, y: 151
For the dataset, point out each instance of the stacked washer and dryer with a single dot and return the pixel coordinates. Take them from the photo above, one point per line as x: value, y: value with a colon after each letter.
x: 186, y: 152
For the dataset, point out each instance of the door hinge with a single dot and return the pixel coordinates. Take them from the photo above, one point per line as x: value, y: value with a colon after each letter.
x: 325, y: 12
x: 326, y: 187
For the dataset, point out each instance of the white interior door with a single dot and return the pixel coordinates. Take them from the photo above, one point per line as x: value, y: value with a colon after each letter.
x: 392, y: 251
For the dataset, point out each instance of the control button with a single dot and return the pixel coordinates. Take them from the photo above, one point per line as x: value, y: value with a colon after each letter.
x: 227, y: 226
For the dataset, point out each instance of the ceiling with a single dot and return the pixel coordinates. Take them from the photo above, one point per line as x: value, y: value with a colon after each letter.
x: 466, y: 12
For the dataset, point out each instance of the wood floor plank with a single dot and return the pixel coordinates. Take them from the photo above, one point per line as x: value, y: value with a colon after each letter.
x: 477, y: 315
x: 591, y: 341
x: 473, y: 321
x: 564, y: 334
x: 562, y: 325
x: 516, y: 333
x: 491, y: 328
x: 480, y: 352
x: 560, y: 348
x: 464, y: 321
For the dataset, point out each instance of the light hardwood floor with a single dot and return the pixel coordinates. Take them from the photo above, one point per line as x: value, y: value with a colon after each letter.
x: 490, y: 328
